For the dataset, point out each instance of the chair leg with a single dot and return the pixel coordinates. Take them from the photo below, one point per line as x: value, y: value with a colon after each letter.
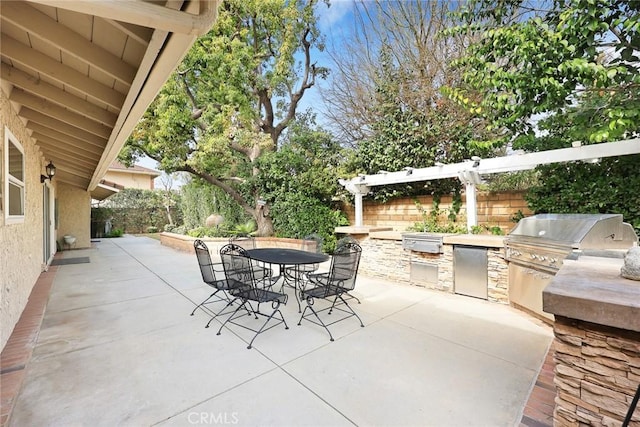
x: 204, y: 302
x: 219, y: 313
x: 354, y: 297
x: 232, y: 315
x: 310, y: 306
x: 351, y: 310
x: 275, y: 310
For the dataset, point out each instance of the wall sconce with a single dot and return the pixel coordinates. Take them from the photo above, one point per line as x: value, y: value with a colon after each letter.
x: 476, y: 161
x: 51, y: 171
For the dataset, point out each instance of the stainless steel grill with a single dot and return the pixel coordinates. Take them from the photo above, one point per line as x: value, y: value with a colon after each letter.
x: 536, y: 247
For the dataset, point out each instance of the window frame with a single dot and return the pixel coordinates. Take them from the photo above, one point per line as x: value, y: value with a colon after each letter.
x: 10, y: 138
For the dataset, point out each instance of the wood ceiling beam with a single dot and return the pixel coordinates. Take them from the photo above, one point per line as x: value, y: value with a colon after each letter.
x: 146, y: 14
x: 60, y: 126
x: 52, y: 143
x: 52, y: 110
x: 141, y: 35
x: 70, y: 178
x: 60, y: 157
x: 40, y: 62
x: 37, y: 23
x: 82, y: 144
x: 45, y: 90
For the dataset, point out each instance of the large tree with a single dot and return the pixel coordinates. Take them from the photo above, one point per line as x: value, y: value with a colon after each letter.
x: 402, y: 35
x: 235, y: 93
x: 385, y: 94
x: 548, y: 77
x: 576, y: 60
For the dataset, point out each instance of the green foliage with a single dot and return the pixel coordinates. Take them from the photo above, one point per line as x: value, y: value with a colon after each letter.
x: 492, y: 229
x: 406, y: 137
x: 200, y: 199
x: 133, y: 210
x: 234, y: 94
x: 245, y: 229
x: 300, y: 181
x: 512, y: 181
x: 437, y: 220
x: 296, y: 215
x: 610, y: 186
x: 116, y: 232
x: 527, y: 62
x: 152, y: 229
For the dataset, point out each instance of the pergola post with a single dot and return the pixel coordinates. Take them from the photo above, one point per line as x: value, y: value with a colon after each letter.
x: 470, y: 178
x: 359, y: 221
x: 359, y: 191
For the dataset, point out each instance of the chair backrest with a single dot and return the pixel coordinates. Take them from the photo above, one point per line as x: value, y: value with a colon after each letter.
x: 313, y: 243
x: 237, y: 265
x: 245, y: 242
x: 204, y: 261
x: 345, y: 240
x: 344, y: 266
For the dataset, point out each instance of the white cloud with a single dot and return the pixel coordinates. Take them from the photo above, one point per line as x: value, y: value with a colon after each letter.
x: 329, y: 16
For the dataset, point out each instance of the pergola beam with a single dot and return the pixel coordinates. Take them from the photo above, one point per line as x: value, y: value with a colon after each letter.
x: 469, y: 171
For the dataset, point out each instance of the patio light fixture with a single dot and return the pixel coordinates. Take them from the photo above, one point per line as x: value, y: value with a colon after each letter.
x: 51, y: 171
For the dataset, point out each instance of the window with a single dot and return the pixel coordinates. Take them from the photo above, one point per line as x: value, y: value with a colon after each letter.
x: 14, y: 179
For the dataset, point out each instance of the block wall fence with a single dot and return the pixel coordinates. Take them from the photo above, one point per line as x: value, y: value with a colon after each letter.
x: 494, y: 209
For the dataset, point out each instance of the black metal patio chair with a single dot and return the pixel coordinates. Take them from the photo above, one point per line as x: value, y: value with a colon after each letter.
x: 333, y: 286
x: 261, y: 271
x: 212, y: 275
x: 248, y: 289
x: 343, y: 241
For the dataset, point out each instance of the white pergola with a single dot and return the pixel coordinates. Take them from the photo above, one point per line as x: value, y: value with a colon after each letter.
x: 470, y: 171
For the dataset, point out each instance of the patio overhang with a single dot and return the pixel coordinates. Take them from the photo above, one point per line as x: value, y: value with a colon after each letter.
x: 80, y: 74
x: 105, y: 189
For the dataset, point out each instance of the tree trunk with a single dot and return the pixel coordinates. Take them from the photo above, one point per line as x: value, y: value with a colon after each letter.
x: 265, y: 224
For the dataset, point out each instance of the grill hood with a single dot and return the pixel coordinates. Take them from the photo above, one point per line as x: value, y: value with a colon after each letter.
x: 579, y: 231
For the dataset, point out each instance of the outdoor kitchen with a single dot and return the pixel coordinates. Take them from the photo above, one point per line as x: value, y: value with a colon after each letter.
x: 573, y: 271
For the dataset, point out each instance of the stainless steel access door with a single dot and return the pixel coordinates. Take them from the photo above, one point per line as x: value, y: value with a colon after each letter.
x: 470, y: 275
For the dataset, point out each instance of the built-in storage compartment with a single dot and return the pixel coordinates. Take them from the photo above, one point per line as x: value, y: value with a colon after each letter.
x: 423, y: 273
x: 470, y: 265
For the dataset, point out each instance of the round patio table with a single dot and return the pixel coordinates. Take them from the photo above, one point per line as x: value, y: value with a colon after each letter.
x: 288, y: 257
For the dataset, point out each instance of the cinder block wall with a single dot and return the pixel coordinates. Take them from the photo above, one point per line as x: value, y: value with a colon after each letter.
x: 494, y: 209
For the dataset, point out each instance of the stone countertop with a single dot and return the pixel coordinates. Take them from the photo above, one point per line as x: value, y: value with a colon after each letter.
x: 387, y: 235
x: 365, y: 229
x: 483, y: 240
x: 591, y: 289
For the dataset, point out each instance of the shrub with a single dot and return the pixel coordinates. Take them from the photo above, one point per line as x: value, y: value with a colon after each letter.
x: 152, y: 229
x: 116, y: 232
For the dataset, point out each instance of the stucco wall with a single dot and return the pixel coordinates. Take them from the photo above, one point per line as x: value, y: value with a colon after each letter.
x: 21, y: 250
x: 74, y: 212
x: 130, y: 180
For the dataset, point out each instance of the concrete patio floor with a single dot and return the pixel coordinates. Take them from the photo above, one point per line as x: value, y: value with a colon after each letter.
x: 117, y: 347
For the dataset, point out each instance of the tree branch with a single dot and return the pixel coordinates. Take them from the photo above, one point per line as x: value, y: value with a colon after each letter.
x: 235, y: 195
